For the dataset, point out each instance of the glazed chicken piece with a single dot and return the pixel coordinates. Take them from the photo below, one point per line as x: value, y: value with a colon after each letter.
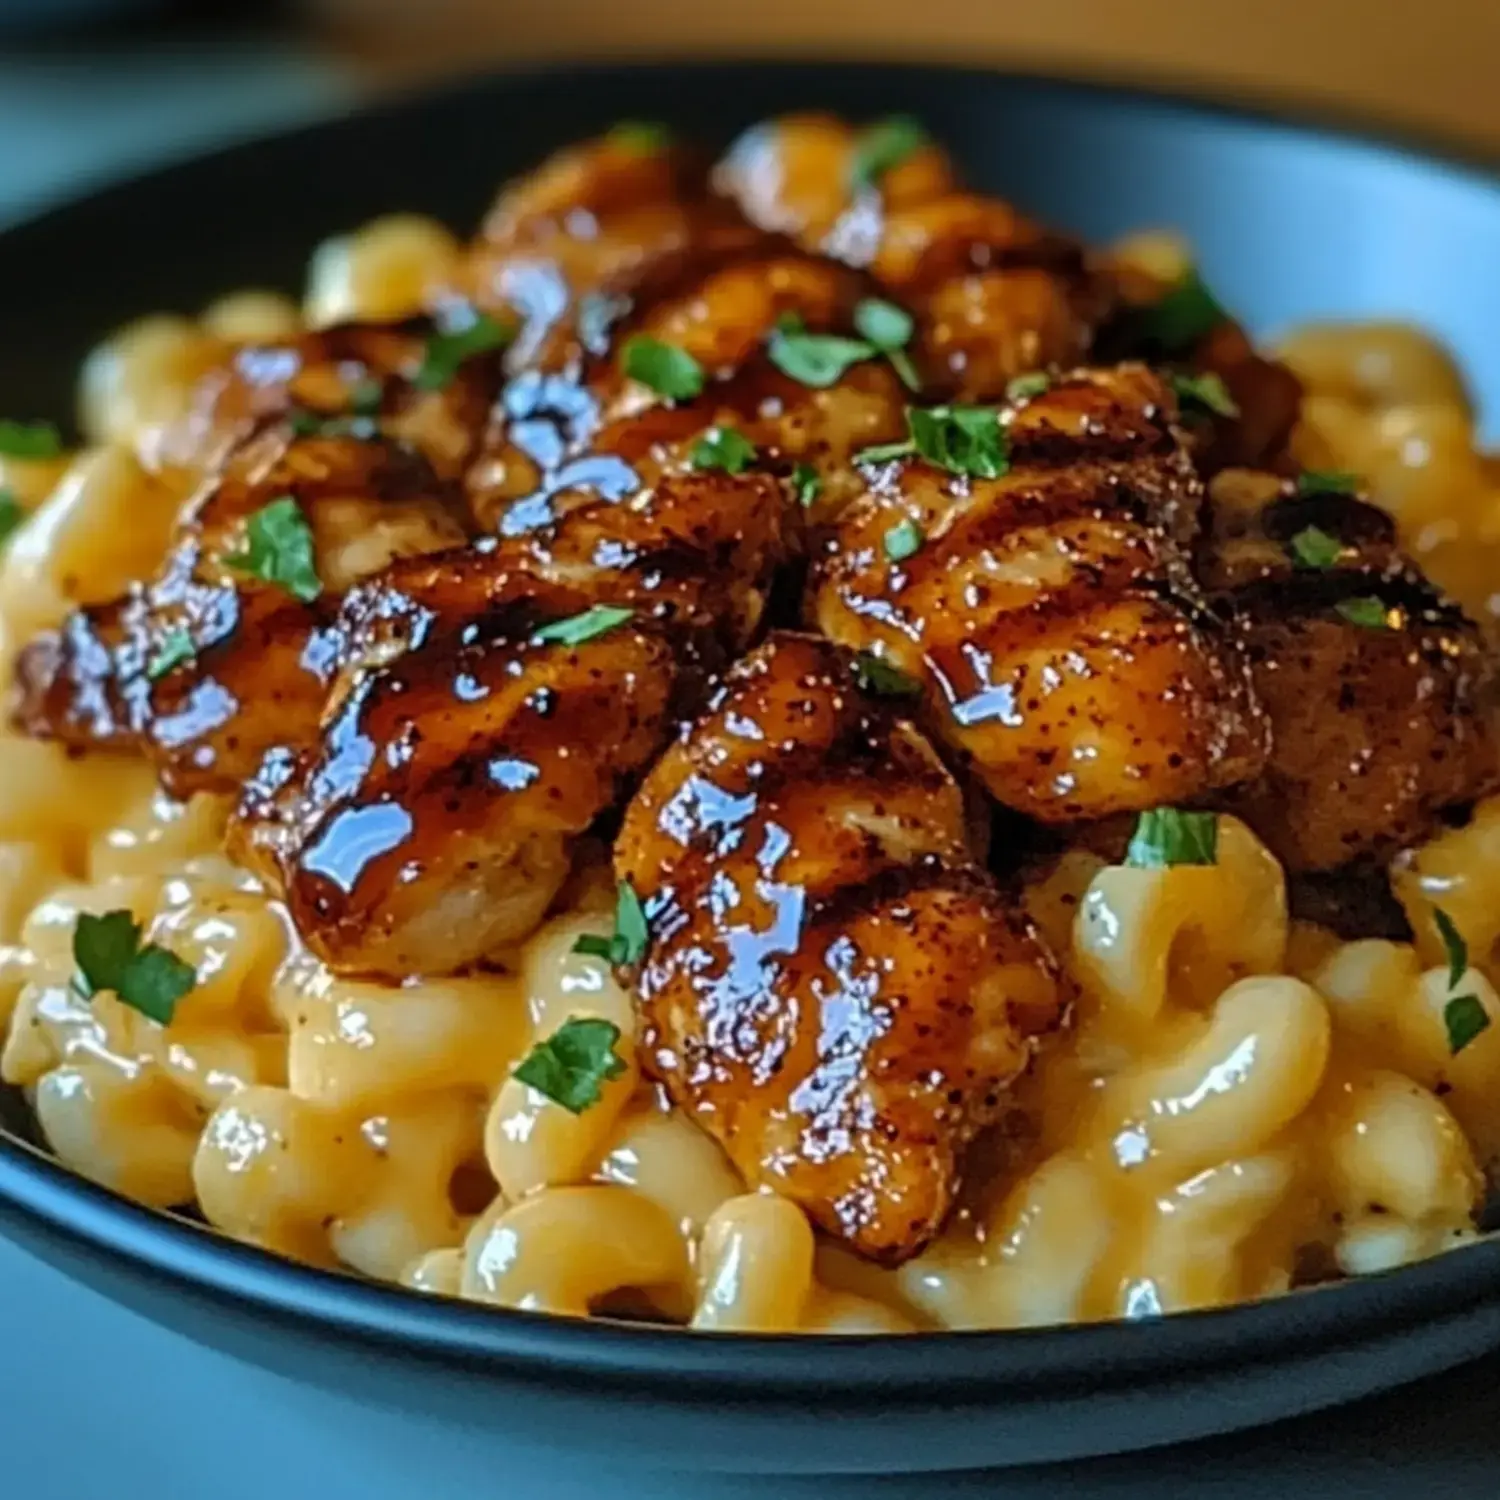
x: 1379, y: 691
x: 1049, y: 615
x: 426, y: 385
x: 833, y: 990
x: 995, y: 294
x: 569, y: 245
x: 206, y: 667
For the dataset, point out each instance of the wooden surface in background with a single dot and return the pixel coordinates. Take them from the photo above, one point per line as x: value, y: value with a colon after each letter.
x: 1432, y: 65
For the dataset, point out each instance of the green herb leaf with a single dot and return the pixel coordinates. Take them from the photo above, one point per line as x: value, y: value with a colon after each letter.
x: 882, y: 453
x: 29, y: 440
x: 642, y: 136
x: 902, y: 540
x: 176, y: 648
x: 889, y: 328
x: 814, y: 359
x: 885, y: 144
x: 876, y: 675
x: 109, y: 956
x: 1453, y: 944
x: 1205, y: 392
x: 1327, y: 482
x: 668, y: 370
x: 1167, y: 836
x: 723, y: 448
x: 446, y: 352
x: 1182, y: 318
x: 572, y: 1065
x: 279, y: 548
x: 577, y: 629
x: 1465, y: 1018
x: 1028, y: 387
x: 632, y: 933
x: 1314, y: 548
x: 367, y: 396
x: 1366, y: 611
x: 806, y: 485
x: 596, y: 945
x: 962, y: 439
x: 11, y: 516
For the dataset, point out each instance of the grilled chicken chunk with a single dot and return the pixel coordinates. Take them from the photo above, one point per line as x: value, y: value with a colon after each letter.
x: 206, y: 667
x: 1049, y: 615
x: 833, y: 990
x: 995, y: 294
x: 1379, y: 692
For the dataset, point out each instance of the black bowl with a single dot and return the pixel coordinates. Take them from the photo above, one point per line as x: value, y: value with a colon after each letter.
x: 1291, y: 222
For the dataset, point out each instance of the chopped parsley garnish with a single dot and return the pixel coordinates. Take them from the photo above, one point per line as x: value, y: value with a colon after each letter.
x: 11, y: 515
x: 889, y: 329
x: 1181, y: 319
x: 1167, y: 836
x: 1465, y: 1019
x: 1366, y: 611
x: 446, y: 352
x: 366, y: 396
x: 1312, y: 547
x: 627, y: 944
x: 176, y: 648
x: 642, y: 136
x: 806, y: 485
x: 885, y: 144
x: 279, y: 548
x: 961, y: 439
x: 902, y: 540
x: 110, y: 956
x: 1028, y: 387
x: 1205, y: 392
x: 1327, y: 482
x: 668, y: 370
x: 814, y: 359
x: 29, y: 440
x: 1453, y: 945
x: 573, y: 1064
x: 876, y: 675
x: 723, y: 448
x: 577, y: 629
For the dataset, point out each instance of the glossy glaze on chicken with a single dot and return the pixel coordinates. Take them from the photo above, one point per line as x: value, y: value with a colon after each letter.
x: 553, y: 548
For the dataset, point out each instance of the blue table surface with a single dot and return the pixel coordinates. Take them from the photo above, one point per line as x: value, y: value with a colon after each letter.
x: 95, y: 1402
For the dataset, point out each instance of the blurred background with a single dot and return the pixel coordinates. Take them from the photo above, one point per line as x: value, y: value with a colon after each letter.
x: 91, y: 88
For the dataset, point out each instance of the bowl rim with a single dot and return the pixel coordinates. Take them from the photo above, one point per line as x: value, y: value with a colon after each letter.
x: 195, y: 1259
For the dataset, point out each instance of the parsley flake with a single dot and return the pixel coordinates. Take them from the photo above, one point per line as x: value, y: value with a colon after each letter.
x: 1183, y: 317
x: 573, y: 1064
x: 1312, y: 547
x: 176, y: 649
x: 110, y: 956
x: 1028, y: 387
x: 1206, y: 392
x: 446, y: 352
x: 577, y: 629
x: 806, y: 485
x: 888, y: 329
x: 644, y: 137
x: 1465, y: 1019
x: 1327, y: 482
x: 814, y: 359
x: 885, y: 144
x: 1366, y: 611
x: 723, y: 448
x: 29, y: 440
x: 1453, y: 945
x: 903, y: 539
x: 961, y: 439
x: 11, y: 516
x: 627, y: 944
x: 279, y: 548
x: 876, y: 675
x: 1167, y: 836
x: 668, y: 370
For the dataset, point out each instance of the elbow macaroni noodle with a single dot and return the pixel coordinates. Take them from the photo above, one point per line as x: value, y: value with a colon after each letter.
x: 1241, y: 1098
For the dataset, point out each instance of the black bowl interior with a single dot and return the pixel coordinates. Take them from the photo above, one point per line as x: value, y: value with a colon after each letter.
x: 1292, y: 222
